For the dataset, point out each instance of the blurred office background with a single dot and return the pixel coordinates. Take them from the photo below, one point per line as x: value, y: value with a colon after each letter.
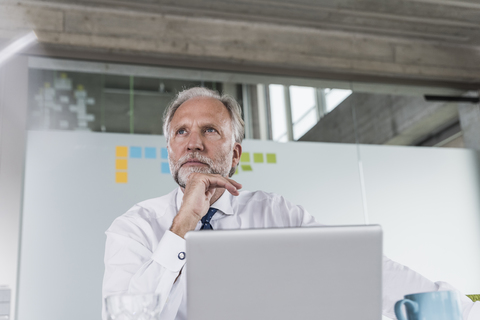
x: 362, y: 111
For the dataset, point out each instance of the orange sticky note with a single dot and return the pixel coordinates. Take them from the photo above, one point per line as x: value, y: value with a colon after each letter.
x: 121, y: 152
x: 121, y: 164
x: 121, y: 177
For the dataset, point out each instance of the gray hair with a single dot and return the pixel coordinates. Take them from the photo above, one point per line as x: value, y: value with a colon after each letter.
x: 231, y: 104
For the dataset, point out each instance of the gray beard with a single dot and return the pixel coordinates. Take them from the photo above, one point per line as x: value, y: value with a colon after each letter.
x: 181, y: 174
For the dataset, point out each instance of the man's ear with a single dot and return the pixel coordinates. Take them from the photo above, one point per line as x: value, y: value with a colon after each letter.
x: 237, y: 153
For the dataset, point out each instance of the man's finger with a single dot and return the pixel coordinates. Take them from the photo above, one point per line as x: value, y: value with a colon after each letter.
x: 235, y: 183
x: 216, y: 181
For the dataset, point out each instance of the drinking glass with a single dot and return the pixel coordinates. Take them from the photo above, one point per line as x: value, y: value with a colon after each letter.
x: 133, y: 306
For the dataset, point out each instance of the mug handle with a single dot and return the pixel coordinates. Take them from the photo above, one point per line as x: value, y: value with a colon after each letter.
x: 408, y: 304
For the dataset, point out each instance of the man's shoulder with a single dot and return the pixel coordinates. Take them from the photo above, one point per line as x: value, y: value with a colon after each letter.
x: 257, y: 194
x: 274, y: 210
x: 147, y: 220
x: 261, y: 196
x: 159, y: 203
x: 152, y: 208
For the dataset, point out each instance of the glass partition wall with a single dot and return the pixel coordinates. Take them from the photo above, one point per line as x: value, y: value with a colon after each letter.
x: 346, y: 151
x: 62, y: 100
x: 98, y: 97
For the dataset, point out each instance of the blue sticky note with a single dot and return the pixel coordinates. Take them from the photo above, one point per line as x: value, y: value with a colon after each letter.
x: 150, y: 153
x: 135, y: 152
x: 164, y: 153
x: 165, y: 168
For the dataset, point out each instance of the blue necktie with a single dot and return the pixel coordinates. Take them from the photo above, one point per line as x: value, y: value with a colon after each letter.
x: 206, y: 219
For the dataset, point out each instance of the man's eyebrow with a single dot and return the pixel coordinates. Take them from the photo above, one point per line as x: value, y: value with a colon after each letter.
x: 175, y: 128
x: 179, y: 125
x: 213, y: 125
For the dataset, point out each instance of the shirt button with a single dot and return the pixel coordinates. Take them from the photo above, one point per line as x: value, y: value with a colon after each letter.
x: 181, y: 256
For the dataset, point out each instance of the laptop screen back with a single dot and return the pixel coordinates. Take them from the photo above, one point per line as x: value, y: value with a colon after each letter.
x: 329, y: 272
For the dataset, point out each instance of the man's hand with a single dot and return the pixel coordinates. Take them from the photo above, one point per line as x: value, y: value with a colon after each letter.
x: 201, y: 191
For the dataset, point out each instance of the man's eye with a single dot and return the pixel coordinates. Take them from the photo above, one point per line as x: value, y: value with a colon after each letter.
x: 181, y: 131
x: 211, y: 130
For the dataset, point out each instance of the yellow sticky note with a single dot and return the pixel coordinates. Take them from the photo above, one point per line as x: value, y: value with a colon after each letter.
x: 121, y: 177
x: 246, y: 167
x: 121, y: 152
x: 271, y: 158
x: 258, y: 157
x: 245, y: 157
x: 121, y: 164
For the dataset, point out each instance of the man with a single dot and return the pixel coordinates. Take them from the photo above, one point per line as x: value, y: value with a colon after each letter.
x: 145, y: 249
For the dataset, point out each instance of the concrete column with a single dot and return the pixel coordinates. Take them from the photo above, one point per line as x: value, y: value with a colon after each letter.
x: 470, y: 122
x: 247, y: 111
x: 288, y: 112
x: 13, y: 119
x: 262, y: 105
x: 320, y: 102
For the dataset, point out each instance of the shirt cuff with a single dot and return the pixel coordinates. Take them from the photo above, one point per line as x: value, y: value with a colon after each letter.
x: 170, y: 252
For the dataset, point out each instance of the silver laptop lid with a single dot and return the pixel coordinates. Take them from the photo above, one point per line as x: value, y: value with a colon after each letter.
x: 329, y: 273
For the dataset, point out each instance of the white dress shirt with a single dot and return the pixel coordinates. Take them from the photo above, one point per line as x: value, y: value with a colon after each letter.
x: 143, y: 256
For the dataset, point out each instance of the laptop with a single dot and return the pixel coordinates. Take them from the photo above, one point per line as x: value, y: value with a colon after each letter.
x: 330, y: 272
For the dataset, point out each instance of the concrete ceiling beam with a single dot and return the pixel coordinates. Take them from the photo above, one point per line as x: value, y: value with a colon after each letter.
x: 249, y: 43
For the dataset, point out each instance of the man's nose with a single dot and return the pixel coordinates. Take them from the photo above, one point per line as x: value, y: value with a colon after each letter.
x: 195, y: 141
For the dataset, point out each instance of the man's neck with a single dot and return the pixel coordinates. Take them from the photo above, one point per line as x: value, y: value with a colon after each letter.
x: 218, y: 193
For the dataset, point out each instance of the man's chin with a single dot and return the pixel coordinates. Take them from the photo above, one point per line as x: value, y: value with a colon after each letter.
x: 184, y: 174
x: 187, y: 171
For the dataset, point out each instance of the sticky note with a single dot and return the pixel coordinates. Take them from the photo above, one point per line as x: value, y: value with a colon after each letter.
x: 121, y: 152
x: 121, y: 164
x: 121, y: 177
x: 164, y: 153
x: 246, y: 167
x: 271, y: 158
x: 150, y: 153
x: 258, y: 157
x: 135, y: 152
x: 245, y: 157
x: 165, y: 168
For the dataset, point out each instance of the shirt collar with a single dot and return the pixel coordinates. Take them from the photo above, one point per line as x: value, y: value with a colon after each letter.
x: 223, y: 204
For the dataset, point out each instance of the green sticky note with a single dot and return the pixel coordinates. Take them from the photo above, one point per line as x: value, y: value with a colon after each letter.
x: 271, y: 158
x: 245, y: 157
x: 258, y: 157
x: 246, y: 167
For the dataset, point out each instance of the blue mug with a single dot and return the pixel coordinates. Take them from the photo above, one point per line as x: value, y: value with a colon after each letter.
x: 438, y: 305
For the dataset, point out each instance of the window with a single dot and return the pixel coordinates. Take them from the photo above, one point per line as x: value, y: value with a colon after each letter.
x: 299, y: 108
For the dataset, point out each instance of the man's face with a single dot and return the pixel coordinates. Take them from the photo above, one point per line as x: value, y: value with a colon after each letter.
x: 201, y: 140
